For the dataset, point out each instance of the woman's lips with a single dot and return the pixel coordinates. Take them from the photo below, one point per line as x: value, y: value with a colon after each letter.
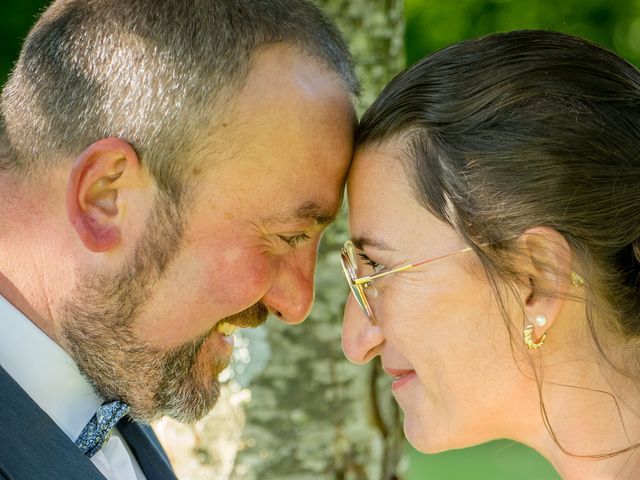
x: 400, y: 377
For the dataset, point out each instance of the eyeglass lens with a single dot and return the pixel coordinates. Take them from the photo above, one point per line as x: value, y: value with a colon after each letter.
x: 350, y: 273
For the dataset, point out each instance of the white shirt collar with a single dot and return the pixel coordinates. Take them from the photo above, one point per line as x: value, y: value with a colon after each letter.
x: 45, y: 371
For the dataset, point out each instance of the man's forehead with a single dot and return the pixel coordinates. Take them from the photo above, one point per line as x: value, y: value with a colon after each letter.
x: 316, y: 211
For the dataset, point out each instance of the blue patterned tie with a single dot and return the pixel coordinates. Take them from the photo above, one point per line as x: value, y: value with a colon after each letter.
x: 96, y: 433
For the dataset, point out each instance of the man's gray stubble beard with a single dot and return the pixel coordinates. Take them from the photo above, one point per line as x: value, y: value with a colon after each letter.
x: 97, y: 332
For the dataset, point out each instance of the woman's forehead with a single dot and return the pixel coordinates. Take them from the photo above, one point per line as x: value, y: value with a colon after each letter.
x: 382, y: 204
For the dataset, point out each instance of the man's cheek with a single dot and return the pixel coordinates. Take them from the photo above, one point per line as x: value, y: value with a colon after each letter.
x: 242, y: 280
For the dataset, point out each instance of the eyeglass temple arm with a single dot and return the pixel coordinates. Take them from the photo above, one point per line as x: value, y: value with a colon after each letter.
x: 369, y: 278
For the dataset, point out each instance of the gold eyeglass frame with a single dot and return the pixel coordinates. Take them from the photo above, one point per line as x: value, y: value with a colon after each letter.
x: 358, y: 284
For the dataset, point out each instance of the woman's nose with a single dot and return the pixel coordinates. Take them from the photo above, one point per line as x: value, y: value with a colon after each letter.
x: 361, y: 340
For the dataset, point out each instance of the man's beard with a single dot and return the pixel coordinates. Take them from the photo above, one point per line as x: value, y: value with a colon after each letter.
x: 97, y: 332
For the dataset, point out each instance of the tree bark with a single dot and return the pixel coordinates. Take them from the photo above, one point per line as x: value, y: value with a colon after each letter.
x: 294, y: 407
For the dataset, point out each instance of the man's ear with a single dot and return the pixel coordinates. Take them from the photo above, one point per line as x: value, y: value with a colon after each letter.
x: 97, y: 176
x: 546, y: 262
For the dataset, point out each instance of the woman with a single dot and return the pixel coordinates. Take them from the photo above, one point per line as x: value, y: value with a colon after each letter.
x: 495, y: 254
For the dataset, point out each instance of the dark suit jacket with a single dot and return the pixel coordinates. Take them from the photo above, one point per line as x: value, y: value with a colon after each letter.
x: 32, y: 446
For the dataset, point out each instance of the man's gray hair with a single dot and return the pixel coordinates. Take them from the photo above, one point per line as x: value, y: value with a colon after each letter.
x: 147, y: 71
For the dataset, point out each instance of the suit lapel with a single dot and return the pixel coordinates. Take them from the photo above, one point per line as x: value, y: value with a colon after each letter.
x: 31, y: 444
x: 147, y: 449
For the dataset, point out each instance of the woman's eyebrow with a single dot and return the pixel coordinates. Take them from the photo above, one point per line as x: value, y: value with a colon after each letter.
x: 364, y: 241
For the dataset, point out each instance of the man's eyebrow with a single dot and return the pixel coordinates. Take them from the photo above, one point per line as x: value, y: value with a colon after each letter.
x: 308, y: 211
x: 364, y: 241
x: 314, y: 211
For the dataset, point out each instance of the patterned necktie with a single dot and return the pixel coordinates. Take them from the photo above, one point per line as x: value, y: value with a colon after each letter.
x: 98, y: 431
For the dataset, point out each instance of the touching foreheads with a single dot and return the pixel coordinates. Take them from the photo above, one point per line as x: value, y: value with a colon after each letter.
x: 147, y: 71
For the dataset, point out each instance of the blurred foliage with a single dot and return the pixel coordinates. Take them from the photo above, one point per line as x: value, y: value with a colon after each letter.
x: 433, y: 24
x: 15, y: 20
x: 499, y: 460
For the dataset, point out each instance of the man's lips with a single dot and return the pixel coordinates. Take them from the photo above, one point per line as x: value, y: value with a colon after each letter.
x: 245, y: 322
x: 250, y: 318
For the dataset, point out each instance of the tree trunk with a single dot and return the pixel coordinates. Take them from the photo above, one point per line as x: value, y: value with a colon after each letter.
x: 295, y: 408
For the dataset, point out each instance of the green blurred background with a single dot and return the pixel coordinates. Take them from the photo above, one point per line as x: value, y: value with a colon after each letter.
x: 432, y: 24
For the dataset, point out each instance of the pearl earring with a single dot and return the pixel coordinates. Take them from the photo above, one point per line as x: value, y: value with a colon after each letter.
x: 541, y: 320
x: 528, y: 338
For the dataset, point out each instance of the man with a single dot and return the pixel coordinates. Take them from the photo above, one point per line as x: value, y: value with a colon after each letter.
x: 166, y: 171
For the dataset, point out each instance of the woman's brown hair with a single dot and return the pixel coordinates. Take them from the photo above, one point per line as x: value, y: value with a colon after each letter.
x: 525, y: 129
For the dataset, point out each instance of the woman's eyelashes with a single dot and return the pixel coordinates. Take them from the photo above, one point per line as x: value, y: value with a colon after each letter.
x: 372, y: 264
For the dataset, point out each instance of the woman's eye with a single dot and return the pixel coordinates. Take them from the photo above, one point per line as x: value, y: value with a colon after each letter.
x: 294, y: 240
x: 375, y: 266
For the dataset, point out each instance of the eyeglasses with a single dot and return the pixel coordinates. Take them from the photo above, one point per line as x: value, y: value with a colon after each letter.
x: 358, y: 285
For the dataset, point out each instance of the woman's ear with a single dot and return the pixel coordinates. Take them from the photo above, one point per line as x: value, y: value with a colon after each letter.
x: 98, y: 176
x: 546, y: 262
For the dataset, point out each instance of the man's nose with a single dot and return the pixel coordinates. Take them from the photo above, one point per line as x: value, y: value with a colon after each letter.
x: 361, y: 340
x: 290, y: 297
